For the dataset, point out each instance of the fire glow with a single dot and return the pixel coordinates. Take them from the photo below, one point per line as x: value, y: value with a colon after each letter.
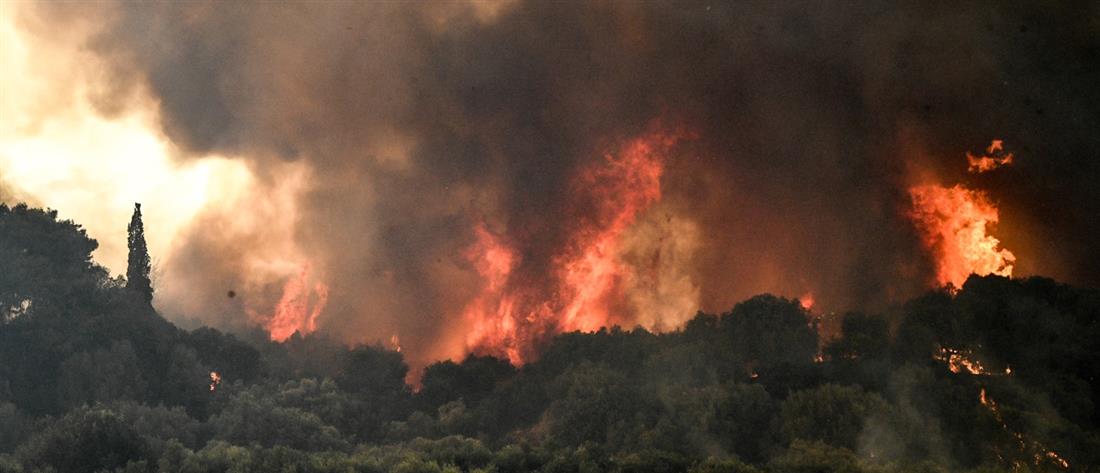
x: 959, y: 361
x: 298, y: 307
x: 1039, y: 452
x: 215, y: 380
x: 994, y: 157
x: 955, y: 222
x: 510, y: 315
x: 954, y: 225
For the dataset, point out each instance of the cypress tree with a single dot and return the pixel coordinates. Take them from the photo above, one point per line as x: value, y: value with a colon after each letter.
x: 137, y: 268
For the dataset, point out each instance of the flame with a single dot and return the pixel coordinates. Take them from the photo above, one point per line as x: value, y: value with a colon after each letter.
x: 395, y: 343
x: 624, y: 186
x: 960, y: 361
x: 491, y: 313
x: 509, y: 314
x: 994, y: 158
x: 1039, y: 452
x: 953, y: 224
x: 807, y: 300
x: 298, y: 307
x: 215, y: 380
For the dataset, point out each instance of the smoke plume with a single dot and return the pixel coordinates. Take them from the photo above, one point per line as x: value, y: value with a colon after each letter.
x: 391, y: 140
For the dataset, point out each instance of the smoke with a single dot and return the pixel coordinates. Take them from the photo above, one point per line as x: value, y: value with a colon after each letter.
x: 380, y: 135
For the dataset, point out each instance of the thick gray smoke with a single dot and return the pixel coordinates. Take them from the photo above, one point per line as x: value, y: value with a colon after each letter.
x: 419, y: 120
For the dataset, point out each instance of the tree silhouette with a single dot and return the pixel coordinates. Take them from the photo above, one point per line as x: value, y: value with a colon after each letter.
x: 137, y: 268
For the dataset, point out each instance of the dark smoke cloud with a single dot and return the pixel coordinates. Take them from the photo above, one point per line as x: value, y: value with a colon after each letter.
x: 419, y: 119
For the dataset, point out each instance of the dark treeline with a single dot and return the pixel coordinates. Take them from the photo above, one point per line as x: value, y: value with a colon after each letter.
x: 93, y: 379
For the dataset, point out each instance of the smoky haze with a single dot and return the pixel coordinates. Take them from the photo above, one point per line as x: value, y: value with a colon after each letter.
x: 392, y: 129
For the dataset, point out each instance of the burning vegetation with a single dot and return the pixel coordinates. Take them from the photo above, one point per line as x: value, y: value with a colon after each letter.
x: 298, y: 308
x: 757, y: 383
x: 505, y: 236
x: 994, y: 157
x: 956, y: 223
x: 961, y: 361
x: 1039, y: 454
x: 514, y: 314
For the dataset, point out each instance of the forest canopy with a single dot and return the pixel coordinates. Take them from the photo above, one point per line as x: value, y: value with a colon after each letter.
x: 1001, y: 375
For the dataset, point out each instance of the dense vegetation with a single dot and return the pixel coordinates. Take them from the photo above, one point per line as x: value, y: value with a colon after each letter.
x: 93, y: 379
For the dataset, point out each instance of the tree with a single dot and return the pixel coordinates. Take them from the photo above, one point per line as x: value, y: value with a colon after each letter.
x: 89, y: 439
x: 589, y: 399
x: 472, y: 380
x: 864, y: 336
x: 830, y: 413
x: 768, y: 330
x: 101, y: 375
x: 45, y: 263
x: 252, y: 419
x: 137, y: 265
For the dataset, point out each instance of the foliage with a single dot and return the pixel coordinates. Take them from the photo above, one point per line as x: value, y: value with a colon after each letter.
x: 138, y: 263
x: 93, y: 379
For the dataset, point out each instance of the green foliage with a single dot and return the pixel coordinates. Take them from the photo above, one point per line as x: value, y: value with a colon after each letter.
x: 815, y: 457
x: 248, y: 419
x: 714, y: 465
x: 863, y: 337
x: 768, y: 330
x: 471, y: 380
x: 102, y: 376
x: 92, y: 379
x: 159, y: 424
x: 830, y: 413
x: 84, y: 440
x: 590, y: 400
x: 138, y: 263
x: 45, y: 264
x: 373, y: 372
x: 14, y: 426
x: 465, y: 453
x: 232, y: 358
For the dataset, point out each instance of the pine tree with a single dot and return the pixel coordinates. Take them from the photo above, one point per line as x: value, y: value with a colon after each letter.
x: 137, y: 269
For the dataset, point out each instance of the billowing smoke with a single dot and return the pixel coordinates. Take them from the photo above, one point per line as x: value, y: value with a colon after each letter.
x: 389, y: 139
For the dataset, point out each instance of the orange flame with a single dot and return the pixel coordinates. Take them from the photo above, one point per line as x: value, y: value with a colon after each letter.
x: 395, y: 343
x: 959, y: 361
x: 807, y: 301
x: 624, y: 186
x: 953, y: 223
x: 508, y: 316
x: 994, y: 158
x: 1039, y: 452
x: 298, y: 307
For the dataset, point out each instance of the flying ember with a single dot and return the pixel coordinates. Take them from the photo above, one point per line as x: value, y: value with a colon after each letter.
x: 215, y: 380
x: 995, y: 157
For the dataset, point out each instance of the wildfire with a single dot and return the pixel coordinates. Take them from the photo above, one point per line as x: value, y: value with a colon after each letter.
x: 953, y: 224
x: 395, y: 343
x: 994, y: 157
x: 298, y: 307
x: 959, y: 361
x: 1039, y: 452
x: 215, y: 380
x: 509, y: 314
x: 807, y: 301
